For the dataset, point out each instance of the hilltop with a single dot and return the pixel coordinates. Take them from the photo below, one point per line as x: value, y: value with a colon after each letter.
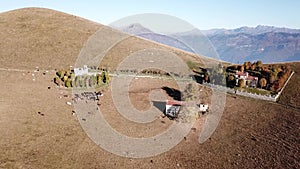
x: 38, y: 129
x: 50, y: 39
x: 46, y: 38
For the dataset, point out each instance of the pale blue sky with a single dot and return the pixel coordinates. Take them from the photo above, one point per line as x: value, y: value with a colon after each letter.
x: 202, y: 14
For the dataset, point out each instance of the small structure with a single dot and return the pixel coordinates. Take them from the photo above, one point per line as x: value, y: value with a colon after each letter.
x: 86, y: 71
x: 172, y: 108
x: 81, y: 71
x: 88, y: 96
x: 98, y: 94
x: 249, y: 80
x: 203, y: 108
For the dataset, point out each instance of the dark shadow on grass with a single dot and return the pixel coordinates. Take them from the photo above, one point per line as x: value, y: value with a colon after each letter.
x: 174, y: 93
x: 198, y: 79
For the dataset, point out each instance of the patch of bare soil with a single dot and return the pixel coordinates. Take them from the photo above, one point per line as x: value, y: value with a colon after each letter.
x: 141, y: 88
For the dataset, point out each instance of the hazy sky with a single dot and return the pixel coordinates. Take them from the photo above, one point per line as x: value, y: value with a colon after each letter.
x: 202, y: 14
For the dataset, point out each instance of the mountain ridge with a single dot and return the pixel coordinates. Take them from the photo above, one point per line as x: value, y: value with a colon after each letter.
x: 259, y: 29
x: 267, y: 43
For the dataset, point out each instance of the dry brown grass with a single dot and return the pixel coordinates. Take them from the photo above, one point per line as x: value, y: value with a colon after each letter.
x: 251, y: 133
x: 42, y: 37
x: 290, y: 96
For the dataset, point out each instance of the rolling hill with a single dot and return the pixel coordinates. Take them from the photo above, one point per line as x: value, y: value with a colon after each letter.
x: 36, y: 37
x: 39, y: 131
x: 33, y: 37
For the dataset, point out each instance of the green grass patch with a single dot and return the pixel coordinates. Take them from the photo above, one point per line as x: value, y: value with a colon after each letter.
x: 192, y: 65
x: 254, y: 90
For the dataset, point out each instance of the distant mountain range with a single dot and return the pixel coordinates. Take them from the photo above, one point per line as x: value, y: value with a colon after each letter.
x: 260, y: 29
x: 139, y: 30
x: 267, y: 43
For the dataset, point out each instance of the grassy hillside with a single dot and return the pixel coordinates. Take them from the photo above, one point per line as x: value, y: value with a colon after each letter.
x: 49, y: 39
x: 251, y: 134
x: 291, y: 95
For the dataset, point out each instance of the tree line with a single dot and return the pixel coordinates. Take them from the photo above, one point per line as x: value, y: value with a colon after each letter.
x: 271, y: 77
x: 68, y: 79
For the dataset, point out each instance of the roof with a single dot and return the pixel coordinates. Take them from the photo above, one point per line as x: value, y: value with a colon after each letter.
x: 241, y: 73
x: 246, y: 74
x: 252, y: 78
x: 172, y: 111
x: 174, y: 102
x: 173, y: 107
x: 203, y: 107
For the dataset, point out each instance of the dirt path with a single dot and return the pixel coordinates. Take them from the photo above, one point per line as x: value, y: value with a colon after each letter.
x: 14, y: 70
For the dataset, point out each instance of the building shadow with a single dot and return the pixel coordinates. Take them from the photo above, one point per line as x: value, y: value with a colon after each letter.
x: 198, y: 79
x: 160, y: 105
x: 174, y: 93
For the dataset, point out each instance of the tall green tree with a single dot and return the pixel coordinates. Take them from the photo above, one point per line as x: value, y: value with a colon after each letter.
x: 105, y: 77
x: 247, y: 65
x: 92, y: 81
x: 68, y: 83
x: 60, y: 74
x: 65, y: 78
x: 87, y: 81
x: 81, y: 82
x: 99, y: 79
x: 242, y: 68
x: 253, y: 67
x: 272, y: 77
x: 231, y: 81
x: 77, y: 81
x: 72, y: 76
x: 68, y: 73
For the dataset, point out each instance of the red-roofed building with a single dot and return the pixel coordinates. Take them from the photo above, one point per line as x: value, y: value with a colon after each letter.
x: 250, y: 81
x: 172, y: 108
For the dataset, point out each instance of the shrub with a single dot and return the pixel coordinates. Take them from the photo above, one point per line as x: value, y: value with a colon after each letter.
x: 68, y: 83
x: 57, y: 81
x: 192, y: 65
x: 263, y: 82
x: 231, y: 81
x: 241, y: 83
x: 65, y: 78
x: 99, y: 79
x: 60, y: 74
x: 92, y: 81
x: 259, y: 63
x: 77, y: 81
x: 105, y: 77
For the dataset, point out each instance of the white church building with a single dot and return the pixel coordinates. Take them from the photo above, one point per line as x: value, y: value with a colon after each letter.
x: 81, y: 71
